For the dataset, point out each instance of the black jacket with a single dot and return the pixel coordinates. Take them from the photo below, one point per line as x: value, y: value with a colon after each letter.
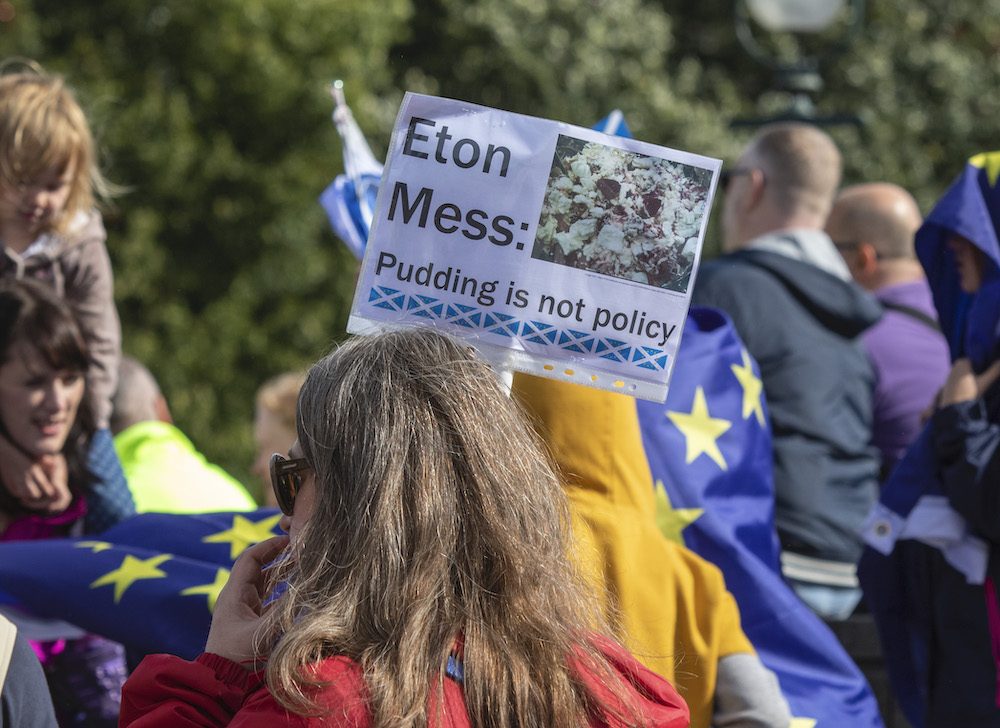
x: 962, y: 680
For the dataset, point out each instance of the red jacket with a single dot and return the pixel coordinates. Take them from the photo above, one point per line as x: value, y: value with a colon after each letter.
x: 213, y: 691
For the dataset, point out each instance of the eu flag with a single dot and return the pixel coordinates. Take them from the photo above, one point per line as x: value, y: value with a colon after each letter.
x: 709, y: 448
x: 150, y: 582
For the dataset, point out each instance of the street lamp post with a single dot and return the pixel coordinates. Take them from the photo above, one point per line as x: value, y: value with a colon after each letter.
x: 800, y: 77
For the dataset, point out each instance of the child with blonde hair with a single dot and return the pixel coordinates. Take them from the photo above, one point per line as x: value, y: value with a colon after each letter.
x: 51, y: 231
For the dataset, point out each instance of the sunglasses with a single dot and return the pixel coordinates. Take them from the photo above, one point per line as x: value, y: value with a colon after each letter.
x: 286, y: 480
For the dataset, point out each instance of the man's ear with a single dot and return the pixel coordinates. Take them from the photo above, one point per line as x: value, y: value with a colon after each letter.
x: 755, y: 191
x: 867, y: 258
x: 162, y: 410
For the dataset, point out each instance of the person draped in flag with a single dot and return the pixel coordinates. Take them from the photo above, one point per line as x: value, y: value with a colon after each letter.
x: 961, y: 253
x: 669, y: 605
x: 426, y: 573
x: 934, y: 593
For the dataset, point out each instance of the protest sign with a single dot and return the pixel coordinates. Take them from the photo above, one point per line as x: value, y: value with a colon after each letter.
x: 553, y: 249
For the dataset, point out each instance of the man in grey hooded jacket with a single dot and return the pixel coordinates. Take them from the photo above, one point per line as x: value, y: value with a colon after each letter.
x: 791, y: 297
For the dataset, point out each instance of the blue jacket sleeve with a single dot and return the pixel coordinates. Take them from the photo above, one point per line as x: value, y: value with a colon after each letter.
x: 109, y: 500
x: 967, y: 444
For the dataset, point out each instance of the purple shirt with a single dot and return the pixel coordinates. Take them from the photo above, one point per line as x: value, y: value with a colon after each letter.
x: 911, y: 363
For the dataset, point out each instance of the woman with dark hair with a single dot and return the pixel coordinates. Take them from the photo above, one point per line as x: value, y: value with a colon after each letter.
x: 43, y: 412
x: 427, y: 580
x: 45, y: 415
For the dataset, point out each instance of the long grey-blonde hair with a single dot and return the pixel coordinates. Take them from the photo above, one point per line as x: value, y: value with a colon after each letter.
x: 437, y: 517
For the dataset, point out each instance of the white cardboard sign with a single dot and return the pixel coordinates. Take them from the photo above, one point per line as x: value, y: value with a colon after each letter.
x: 551, y: 248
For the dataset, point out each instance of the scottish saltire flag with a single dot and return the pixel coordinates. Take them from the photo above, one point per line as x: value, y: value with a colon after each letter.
x: 349, y: 201
x: 709, y: 448
x: 614, y: 124
x: 150, y: 582
x: 913, y: 512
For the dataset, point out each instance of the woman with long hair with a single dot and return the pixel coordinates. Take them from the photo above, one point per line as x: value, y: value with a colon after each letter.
x: 424, y: 579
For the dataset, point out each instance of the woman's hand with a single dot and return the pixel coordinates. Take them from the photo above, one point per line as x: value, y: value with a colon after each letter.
x: 963, y: 384
x: 39, y: 485
x: 56, y: 478
x: 238, y: 610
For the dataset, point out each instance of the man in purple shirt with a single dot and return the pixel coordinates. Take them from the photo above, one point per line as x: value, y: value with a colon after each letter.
x: 873, y: 226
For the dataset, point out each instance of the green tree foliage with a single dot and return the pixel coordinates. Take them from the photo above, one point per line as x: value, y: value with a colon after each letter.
x: 215, y: 115
x: 920, y: 75
x: 572, y: 60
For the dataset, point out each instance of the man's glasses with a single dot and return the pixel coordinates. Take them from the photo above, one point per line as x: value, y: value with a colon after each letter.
x: 286, y: 480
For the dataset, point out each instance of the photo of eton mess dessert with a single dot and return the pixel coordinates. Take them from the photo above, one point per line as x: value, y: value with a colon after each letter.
x: 622, y: 214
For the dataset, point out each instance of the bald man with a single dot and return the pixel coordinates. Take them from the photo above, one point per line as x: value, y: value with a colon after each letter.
x: 873, y: 226
x: 792, y: 299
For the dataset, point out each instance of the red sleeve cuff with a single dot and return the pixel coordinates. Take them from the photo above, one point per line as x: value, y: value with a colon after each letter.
x: 231, y: 673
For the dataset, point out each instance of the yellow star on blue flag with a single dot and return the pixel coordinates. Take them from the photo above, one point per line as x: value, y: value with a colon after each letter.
x: 244, y: 533
x: 95, y: 547
x: 713, y: 380
x: 131, y: 571
x: 672, y: 521
x: 752, y: 388
x: 701, y: 430
x: 210, y: 590
x: 990, y: 161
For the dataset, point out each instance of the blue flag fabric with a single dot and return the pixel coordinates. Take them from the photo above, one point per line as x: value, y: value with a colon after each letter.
x: 913, y: 512
x: 150, y: 582
x: 349, y: 201
x: 969, y: 208
x: 709, y: 448
x: 614, y: 124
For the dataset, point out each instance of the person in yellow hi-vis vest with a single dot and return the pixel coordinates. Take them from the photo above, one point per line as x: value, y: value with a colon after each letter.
x: 165, y: 472
x: 667, y: 604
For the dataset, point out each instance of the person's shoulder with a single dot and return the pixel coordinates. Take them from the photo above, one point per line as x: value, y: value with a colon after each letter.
x: 641, y: 689
x: 730, y: 279
x: 731, y: 266
x: 84, y: 229
x: 82, y: 254
x: 343, y: 684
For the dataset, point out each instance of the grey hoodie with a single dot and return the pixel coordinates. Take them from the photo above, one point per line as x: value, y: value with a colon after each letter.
x: 800, y: 318
x: 77, y: 266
